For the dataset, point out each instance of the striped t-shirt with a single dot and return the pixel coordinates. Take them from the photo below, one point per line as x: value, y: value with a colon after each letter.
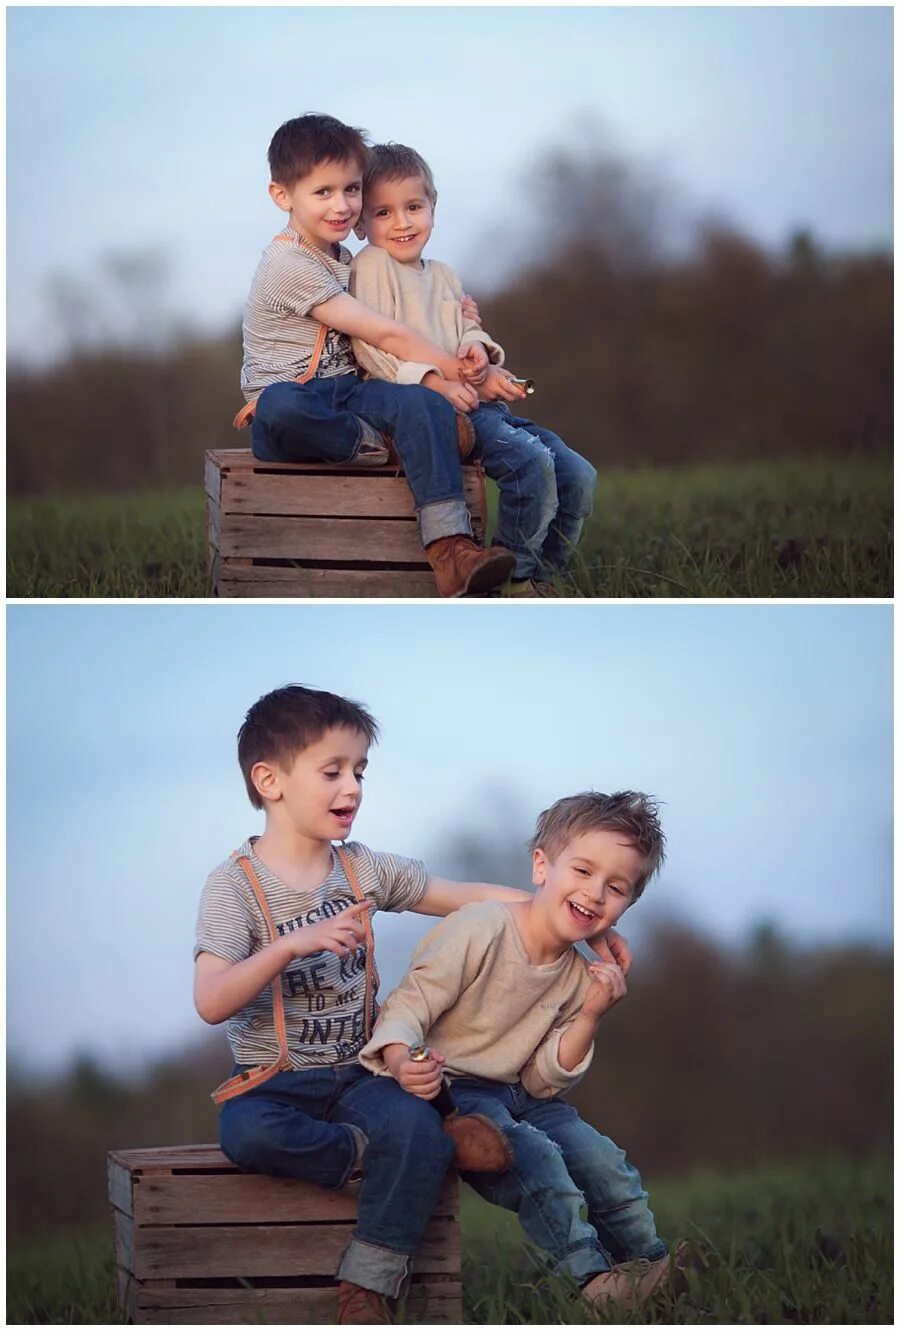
x: 324, y: 994
x: 279, y: 331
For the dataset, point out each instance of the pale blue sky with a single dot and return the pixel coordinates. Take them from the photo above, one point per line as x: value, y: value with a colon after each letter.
x: 140, y: 128
x: 766, y: 731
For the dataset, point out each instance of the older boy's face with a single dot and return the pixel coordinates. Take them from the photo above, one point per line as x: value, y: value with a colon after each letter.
x: 588, y: 886
x: 322, y: 790
x: 397, y: 216
x: 324, y: 205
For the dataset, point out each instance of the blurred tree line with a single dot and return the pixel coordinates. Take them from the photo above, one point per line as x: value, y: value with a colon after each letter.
x: 644, y: 351
x: 715, y: 1058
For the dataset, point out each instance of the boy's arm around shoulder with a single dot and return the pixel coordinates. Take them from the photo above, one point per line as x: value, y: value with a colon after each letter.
x: 374, y: 284
x: 443, y: 895
x: 442, y: 966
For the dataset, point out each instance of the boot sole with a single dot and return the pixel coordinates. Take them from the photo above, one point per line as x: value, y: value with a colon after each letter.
x: 488, y: 575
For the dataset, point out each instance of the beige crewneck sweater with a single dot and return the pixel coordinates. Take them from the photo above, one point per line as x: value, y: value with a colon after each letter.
x: 472, y: 993
x: 426, y: 299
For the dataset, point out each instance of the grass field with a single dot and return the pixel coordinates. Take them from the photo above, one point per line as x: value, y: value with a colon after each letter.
x: 760, y: 530
x: 799, y: 1244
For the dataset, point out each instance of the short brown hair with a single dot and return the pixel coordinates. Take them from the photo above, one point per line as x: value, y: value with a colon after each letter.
x: 630, y: 812
x: 393, y: 161
x: 288, y: 720
x: 300, y: 145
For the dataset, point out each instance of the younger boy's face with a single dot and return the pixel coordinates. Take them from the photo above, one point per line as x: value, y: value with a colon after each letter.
x: 324, y: 206
x: 321, y: 791
x: 588, y: 886
x: 398, y: 216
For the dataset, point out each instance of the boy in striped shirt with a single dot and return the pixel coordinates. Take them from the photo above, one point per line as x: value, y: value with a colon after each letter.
x: 313, y: 1112
x: 299, y: 371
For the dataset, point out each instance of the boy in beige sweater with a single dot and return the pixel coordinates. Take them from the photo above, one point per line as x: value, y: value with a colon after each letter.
x: 546, y: 489
x: 511, y: 1010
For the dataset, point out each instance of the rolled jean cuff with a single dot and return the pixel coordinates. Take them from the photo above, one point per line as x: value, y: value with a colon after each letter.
x: 375, y: 1268
x: 582, y: 1263
x: 445, y: 517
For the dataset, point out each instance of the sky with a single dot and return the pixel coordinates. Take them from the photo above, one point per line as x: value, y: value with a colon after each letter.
x: 142, y: 131
x: 764, y: 729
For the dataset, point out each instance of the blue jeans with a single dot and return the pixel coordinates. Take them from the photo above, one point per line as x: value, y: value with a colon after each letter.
x: 319, y: 422
x: 305, y: 1125
x: 561, y: 1163
x: 546, y: 490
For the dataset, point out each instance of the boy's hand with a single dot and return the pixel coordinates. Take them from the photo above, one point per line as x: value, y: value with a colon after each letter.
x: 421, y: 1079
x: 470, y: 309
x: 607, y: 987
x: 498, y: 386
x: 462, y: 396
x: 342, y: 934
x: 474, y: 363
x: 611, y: 946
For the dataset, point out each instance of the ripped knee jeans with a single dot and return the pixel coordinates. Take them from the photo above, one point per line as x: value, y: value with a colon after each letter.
x: 576, y: 1195
x: 546, y: 489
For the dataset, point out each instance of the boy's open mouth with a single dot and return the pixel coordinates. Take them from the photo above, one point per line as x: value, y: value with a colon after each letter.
x: 581, y: 913
x: 345, y: 815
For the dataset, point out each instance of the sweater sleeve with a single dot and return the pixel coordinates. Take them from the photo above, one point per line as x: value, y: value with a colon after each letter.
x: 443, y: 964
x: 472, y: 333
x: 543, y: 1075
x: 370, y: 283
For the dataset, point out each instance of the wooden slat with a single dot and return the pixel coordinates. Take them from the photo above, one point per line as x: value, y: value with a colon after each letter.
x: 212, y: 478
x: 123, y: 1226
x: 314, y: 496
x: 259, y: 580
x: 120, y: 1189
x: 242, y: 459
x: 321, y: 539
x: 271, y: 1250
x: 429, y: 1303
x: 204, y: 1155
x: 251, y: 1199
x: 375, y: 496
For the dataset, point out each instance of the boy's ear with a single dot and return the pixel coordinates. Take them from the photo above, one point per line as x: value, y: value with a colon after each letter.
x: 359, y: 231
x: 538, y: 867
x: 279, y: 196
x: 265, y: 779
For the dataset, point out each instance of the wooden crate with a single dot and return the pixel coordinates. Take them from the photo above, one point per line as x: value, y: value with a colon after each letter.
x: 200, y: 1242
x: 310, y: 529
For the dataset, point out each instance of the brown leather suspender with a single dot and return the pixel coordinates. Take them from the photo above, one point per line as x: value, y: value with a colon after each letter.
x: 253, y: 1077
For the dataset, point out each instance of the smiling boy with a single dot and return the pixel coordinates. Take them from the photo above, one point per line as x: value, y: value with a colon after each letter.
x: 511, y: 1011
x: 546, y: 489
x: 299, y: 374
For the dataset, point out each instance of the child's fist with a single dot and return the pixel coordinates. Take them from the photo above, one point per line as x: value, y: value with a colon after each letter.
x: 606, y: 988
x: 421, y: 1078
x: 342, y: 933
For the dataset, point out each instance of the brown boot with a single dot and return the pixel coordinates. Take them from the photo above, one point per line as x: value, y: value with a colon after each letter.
x: 630, y: 1283
x: 358, y: 1306
x: 480, y: 1146
x: 462, y: 568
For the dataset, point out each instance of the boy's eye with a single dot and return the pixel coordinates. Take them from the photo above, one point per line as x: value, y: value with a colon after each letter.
x: 619, y: 891
x: 360, y: 776
x: 585, y: 873
x: 353, y: 189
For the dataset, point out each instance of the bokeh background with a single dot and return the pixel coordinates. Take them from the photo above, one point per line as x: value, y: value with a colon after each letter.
x: 678, y: 220
x: 757, y: 1028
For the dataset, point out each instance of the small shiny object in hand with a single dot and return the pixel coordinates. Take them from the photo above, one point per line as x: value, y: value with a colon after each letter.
x: 419, y: 1053
x: 527, y: 384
